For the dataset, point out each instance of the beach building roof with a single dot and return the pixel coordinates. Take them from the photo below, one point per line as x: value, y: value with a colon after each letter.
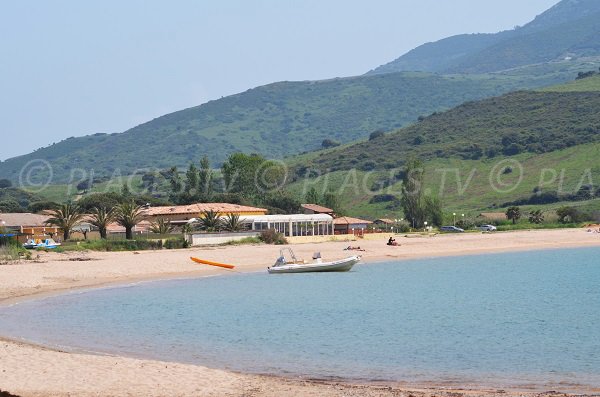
x: 347, y: 220
x: 143, y: 226
x: 385, y: 221
x: 23, y: 219
x: 317, y: 209
x: 221, y: 208
x: 288, y: 218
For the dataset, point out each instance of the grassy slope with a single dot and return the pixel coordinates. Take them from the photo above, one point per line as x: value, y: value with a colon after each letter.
x: 278, y: 119
x: 467, y: 185
x: 590, y: 84
x: 573, y: 166
x: 534, y: 121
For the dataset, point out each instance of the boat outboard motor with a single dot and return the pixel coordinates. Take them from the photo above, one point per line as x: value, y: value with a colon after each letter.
x: 280, y: 262
x: 317, y: 257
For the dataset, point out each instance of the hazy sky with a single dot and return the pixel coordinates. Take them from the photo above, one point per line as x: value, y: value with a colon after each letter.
x: 71, y: 68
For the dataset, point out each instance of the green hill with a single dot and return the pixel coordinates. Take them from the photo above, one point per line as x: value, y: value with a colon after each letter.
x: 567, y: 30
x: 525, y: 121
x: 464, y: 185
x: 276, y: 120
x: 479, y: 155
x: 589, y: 84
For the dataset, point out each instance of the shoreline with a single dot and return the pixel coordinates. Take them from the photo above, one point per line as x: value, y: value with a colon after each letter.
x: 230, y: 382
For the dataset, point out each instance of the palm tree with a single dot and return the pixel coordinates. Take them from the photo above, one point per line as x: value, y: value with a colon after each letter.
x: 187, y: 229
x: 128, y: 215
x: 210, y: 221
x: 101, y: 217
x: 513, y: 214
x: 232, y: 223
x: 536, y: 216
x: 161, y: 226
x: 65, y: 217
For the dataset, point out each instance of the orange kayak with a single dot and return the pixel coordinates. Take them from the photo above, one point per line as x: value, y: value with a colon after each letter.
x: 226, y: 266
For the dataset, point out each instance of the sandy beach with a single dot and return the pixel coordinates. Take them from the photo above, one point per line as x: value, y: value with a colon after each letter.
x: 28, y: 370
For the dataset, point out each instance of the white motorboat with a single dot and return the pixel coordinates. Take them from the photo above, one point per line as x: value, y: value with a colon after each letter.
x: 291, y: 264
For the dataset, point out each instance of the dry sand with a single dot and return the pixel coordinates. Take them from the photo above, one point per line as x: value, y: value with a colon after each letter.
x: 29, y: 370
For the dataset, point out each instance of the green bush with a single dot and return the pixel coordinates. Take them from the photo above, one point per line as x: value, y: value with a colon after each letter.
x: 528, y: 226
x: 247, y: 240
x: 12, y: 252
x: 117, y: 245
x: 175, y: 243
x: 272, y: 236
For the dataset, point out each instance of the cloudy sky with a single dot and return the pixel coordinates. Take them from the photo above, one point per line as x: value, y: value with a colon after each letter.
x: 71, y: 68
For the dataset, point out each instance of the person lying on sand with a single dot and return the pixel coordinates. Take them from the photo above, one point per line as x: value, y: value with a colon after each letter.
x: 351, y: 248
x: 392, y: 242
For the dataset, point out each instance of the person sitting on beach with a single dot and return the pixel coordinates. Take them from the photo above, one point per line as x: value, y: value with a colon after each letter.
x: 392, y: 242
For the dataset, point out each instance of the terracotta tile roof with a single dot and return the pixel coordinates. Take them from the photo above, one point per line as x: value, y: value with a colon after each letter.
x: 223, y: 208
x: 317, y: 208
x: 143, y: 226
x: 346, y: 220
x: 24, y: 219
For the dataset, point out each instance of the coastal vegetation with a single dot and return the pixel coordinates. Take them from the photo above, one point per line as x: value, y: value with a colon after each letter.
x: 276, y: 120
x: 66, y: 217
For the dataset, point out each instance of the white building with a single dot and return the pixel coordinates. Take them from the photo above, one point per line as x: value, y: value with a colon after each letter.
x: 292, y: 225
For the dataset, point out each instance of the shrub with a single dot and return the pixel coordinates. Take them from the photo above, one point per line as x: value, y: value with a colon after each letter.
x: 368, y: 166
x: 8, y: 254
x: 466, y: 224
x: 403, y: 227
x: 246, y: 240
x: 376, y: 134
x: 329, y: 143
x: 121, y: 245
x: 536, y: 216
x: 568, y: 214
x: 272, y: 236
x: 175, y: 243
x: 383, y: 198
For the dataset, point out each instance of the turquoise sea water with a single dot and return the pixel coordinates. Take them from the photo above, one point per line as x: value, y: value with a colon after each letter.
x: 507, y: 319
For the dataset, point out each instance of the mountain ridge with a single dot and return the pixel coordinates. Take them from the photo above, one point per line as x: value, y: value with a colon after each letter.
x: 461, y: 53
x: 275, y: 120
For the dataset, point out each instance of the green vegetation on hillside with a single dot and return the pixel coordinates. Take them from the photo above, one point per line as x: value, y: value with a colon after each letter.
x: 589, y: 84
x: 17, y: 200
x: 579, y: 38
x: 536, y: 149
x: 567, y: 30
x: 274, y: 120
x: 535, y: 122
x: 468, y: 185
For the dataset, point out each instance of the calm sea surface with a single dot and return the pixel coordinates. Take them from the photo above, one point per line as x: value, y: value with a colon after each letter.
x: 517, y: 318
